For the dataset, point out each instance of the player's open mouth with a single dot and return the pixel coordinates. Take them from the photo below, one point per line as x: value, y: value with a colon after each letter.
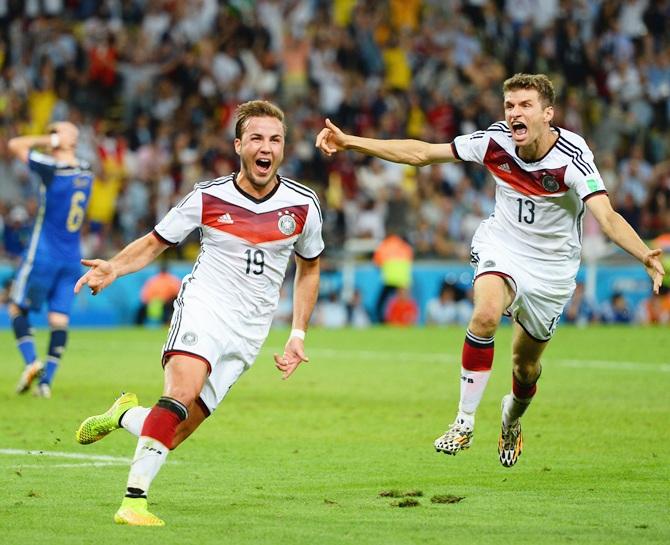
x: 519, y: 129
x: 264, y: 165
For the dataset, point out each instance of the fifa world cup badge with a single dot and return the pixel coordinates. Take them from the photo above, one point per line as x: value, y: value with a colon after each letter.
x: 286, y: 223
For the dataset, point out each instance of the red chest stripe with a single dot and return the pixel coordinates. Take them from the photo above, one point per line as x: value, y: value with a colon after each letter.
x: 545, y: 182
x: 250, y: 226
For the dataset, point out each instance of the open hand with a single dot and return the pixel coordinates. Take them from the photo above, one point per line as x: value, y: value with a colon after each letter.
x: 654, y: 267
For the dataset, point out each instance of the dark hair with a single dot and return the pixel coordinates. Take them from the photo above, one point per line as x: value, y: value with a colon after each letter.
x: 541, y: 83
x: 256, y: 108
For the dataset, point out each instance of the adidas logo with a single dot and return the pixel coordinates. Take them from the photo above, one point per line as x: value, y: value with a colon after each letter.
x: 505, y: 168
x: 225, y: 218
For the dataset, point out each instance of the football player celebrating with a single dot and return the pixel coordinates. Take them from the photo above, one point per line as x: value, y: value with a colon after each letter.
x: 251, y: 221
x: 527, y: 253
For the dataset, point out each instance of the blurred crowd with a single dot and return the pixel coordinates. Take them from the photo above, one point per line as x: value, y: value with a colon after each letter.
x: 153, y: 85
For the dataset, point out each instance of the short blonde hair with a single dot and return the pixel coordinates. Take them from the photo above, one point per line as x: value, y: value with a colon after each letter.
x: 256, y: 108
x: 540, y: 82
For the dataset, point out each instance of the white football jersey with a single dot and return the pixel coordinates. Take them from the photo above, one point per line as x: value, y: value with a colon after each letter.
x: 539, y: 205
x: 245, y: 247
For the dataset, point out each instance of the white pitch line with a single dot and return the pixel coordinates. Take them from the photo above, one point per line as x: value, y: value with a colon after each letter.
x: 441, y: 357
x: 72, y: 455
x: 51, y: 466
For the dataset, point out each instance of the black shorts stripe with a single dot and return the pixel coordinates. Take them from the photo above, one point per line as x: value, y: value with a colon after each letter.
x: 531, y: 336
x: 176, y: 323
x: 305, y: 191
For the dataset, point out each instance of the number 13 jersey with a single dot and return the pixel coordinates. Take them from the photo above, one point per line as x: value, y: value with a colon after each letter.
x: 244, y: 248
x: 539, y: 205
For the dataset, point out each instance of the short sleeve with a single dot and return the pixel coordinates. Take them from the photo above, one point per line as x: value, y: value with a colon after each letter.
x: 182, y: 219
x: 582, y: 175
x: 309, y: 244
x: 43, y: 165
x: 471, y: 147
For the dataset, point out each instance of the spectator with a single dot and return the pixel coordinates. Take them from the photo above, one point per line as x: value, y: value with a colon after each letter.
x: 617, y: 310
x: 357, y: 315
x: 157, y: 297
x: 394, y: 257
x: 580, y: 310
x: 450, y: 307
x: 656, y: 309
x: 402, y: 309
x: 332, y: 312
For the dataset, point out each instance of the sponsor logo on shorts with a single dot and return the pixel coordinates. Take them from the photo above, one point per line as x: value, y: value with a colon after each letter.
x: 489, y: 263
x: 189, y: 338
x: 550, y: 183
x: 286, y: 223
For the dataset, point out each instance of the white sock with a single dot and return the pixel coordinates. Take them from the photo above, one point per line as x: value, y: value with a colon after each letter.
x: 514, y: 409
x: 133, y: 419
x: 473, y: 384
x: 150, y: 455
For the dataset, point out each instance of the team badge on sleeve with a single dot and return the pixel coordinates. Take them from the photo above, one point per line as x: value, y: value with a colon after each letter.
x: 189, y: 338
x: 286, y: 223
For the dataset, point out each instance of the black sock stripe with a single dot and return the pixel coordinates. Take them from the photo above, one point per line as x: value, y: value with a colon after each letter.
x: 173, y: 405
x: 478, y: 342
x: 135, y: 493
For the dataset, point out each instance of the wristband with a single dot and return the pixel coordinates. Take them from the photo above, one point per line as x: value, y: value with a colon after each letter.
x: 299, y: 333
x: 55, y: 140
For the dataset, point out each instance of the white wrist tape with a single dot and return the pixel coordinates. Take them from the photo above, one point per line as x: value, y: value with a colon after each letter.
x: 55, y: 140
x: 299, y: 333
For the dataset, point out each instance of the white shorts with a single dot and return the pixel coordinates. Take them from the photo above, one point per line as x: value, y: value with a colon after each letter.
x: 197, y: 331
x: 538, y: 301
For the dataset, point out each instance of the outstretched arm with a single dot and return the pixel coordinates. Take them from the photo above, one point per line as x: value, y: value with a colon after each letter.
x: 137, y: 255
x: 305, y: 294
x: 622, y: 234
x: 412, y: 152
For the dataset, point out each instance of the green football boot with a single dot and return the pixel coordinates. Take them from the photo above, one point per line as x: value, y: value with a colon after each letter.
x: 96, y: 427
x: 134, y: 512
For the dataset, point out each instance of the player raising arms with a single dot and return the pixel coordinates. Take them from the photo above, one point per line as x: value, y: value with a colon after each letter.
x: 250, y: 222
x: 50, y: 265
x: 526, y: 255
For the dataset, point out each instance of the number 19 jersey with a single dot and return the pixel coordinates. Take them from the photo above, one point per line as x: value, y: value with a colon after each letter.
x: 539, y: 205
x: 245, y: 247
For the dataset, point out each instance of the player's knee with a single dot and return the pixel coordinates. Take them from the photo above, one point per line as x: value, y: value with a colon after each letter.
x: 526, y: 372
x: 184, y: 393
x: 15, y: 310
x: 485, y: 321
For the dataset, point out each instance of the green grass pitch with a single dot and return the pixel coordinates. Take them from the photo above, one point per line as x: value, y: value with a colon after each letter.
x: 305, y: 461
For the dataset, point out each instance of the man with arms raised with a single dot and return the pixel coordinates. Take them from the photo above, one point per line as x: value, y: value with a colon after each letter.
x: 526, y: 255
x: 251, y: 221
